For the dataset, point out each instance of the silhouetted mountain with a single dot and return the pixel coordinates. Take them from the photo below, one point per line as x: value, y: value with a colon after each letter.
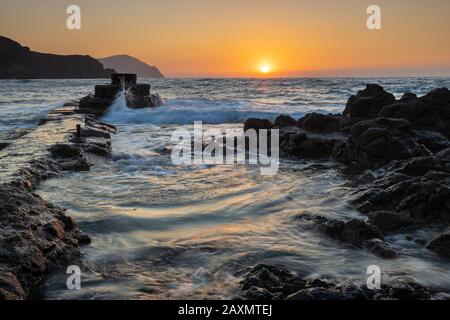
x: 128, y: 64
x: 18, y: 62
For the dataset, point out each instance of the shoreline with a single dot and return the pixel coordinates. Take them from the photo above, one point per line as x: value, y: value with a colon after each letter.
x: 399, y: 153
x: 383, y: 140
x: 36, y: 237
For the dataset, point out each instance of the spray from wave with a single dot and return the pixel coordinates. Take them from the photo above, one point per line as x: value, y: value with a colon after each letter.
x: 186, y: 111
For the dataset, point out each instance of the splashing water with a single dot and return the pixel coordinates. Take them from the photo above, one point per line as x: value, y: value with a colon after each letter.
x: 166, y: 231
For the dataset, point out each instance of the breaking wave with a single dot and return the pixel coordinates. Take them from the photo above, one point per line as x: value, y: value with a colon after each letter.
x: 186, y: 111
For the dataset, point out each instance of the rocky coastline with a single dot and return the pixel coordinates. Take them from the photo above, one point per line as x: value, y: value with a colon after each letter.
x: 398, y: 153
x: 36, y: 237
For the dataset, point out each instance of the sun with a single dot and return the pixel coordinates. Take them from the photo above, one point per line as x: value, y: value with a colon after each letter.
x: 265, y: 69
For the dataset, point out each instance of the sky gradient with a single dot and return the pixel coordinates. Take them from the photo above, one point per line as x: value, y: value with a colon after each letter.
x: 234, y: 38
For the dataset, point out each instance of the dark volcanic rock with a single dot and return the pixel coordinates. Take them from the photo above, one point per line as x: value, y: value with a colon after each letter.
x: 66, y: 150
x: 441, y: 245
x: 405, y: 289
x: 296, y: 287
x: 388, y: 222
x: 425, y: 199
x: 378, y: 141
x: 257, y: 124
x: 285, y: 121
x: 430, y: 112
x: 368, y: 102
x: 3, y: 145
x: 434, y: 141
x: 380, y: 248
x: 353, y: 231
x: 322, y: 123
x: 303, y: 146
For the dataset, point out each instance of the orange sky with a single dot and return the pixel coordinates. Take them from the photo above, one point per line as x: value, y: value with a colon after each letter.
x: 236, y: 37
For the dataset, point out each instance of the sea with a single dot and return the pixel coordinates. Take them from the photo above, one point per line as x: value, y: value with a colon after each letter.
x: 165, y: 231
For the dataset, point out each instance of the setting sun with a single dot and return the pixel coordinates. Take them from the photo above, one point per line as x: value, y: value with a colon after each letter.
x: 265, y: 69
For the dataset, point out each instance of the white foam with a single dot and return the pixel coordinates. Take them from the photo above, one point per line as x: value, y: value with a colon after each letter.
x: 186, y: 111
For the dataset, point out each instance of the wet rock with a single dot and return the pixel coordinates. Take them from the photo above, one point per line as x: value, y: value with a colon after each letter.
x: 441, y: 245
x: 66, y: 151
x: 366, y: 207
x: 10, y: 287
x: 322, y: 294
x: 388, y: 222
x: 352, y: 292
x: 318, y: 289
x: 285, y: 121
x: 425, y: 199
x: 97, y: 148
x: 301, y: 295
x: 418, y: 166
x: 404, y: 289
x: 434, y: 141
x: 76, y: 165
x: 407, y: 97
x: 322, y: 123
x: 3, y: 145
x: 353, y: 231
x: 431, y: 112
x: 305, y: 147
x: 94, y: 105
x: 83, y: 239
x: 380, y: 248
x: 376, y: 142
x: 255, y: 293
x: 257, y: 124
x: 368, y: 102
x: 55, y: 229
x: 95, y: 132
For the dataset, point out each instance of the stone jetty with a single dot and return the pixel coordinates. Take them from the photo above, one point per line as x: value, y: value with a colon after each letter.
x: 37, y: 237
x: 136, y: 95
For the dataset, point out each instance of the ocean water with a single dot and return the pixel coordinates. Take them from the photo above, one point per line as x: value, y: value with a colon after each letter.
x: 162, y: 231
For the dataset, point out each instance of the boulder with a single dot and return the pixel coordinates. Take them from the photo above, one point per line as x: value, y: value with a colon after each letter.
x: 66, y: 150
x: 430, y: 112
x: 353, y: 231
x: 388, y: 222
x: 433, y: 140
x: 308, y: 148
x: 257, y: 124
x: 380, y: 248
x: 368, y: 102
x: 322, y: 123
x: 407, y: 97
x: 425, y: 199
x: 416, y: 166
x: 441, y: 245
x: 376, y: 142
x: 285, y: 121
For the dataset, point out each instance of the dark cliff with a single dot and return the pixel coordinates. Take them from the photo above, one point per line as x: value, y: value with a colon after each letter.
x: 18, y: 62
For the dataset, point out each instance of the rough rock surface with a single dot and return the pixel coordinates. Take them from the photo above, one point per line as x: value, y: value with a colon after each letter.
x: 257, y: 124
x: 441, y: 245
x: 398, y: 152
x: 37, y: 237
x: 269, y: 282
x: 368, y: 102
